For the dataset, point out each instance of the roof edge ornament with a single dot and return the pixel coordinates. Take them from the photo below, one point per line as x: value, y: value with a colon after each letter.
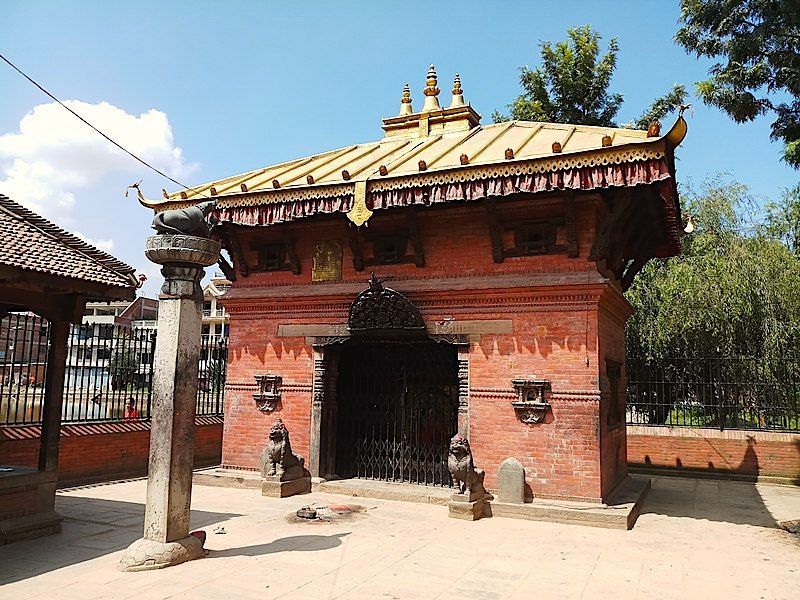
x: 431, y: 92
x: 458, y: 94
x: 677, y: 132
x: 405, y: 102
x: 146, y: 202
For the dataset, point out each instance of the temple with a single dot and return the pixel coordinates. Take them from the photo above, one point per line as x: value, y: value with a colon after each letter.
x: 451, y: 277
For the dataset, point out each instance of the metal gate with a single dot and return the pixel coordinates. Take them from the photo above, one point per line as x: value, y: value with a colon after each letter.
x: 397, y: 409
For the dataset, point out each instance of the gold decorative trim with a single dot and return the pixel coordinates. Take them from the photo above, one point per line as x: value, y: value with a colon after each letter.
x: 636, y: 153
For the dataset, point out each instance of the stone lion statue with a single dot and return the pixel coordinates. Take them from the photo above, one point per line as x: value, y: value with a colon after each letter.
x: 277, y: 459
x: 185, y: 221
x: 459, y: 462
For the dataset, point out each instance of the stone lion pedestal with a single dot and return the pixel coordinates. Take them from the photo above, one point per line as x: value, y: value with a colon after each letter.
x: 166, y: 540
x: 283, y: 472
x: 471, y: 501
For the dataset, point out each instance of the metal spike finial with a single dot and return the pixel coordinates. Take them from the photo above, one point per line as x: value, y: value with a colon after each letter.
x: 405, y: 101
x: 431, y: 91
x: 458, y: 93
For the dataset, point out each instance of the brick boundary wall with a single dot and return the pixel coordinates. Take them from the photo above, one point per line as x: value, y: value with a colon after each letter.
x: 103, y: 451
x: 747, y: 453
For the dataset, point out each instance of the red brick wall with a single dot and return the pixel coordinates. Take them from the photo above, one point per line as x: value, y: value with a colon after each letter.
x: 740, y: 452
x: 104, y: 451
x: 553, y: 301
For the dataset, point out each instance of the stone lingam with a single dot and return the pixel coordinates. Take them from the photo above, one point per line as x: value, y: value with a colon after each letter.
x: 183, y: 250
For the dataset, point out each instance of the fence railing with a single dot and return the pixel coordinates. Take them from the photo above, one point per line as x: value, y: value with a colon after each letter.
x: 109, y: 372
x: 725, y: 393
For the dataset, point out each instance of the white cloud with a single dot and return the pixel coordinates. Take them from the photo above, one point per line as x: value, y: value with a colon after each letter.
x: 104, y: 245
x: 54, y: 156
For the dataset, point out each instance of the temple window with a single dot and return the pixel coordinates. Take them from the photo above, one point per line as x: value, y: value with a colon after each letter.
x: 390, y: 249
x: 272, y: 257
x: 534, y: 238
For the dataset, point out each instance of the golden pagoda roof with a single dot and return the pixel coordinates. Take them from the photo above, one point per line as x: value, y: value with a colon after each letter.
x: 435, y: 145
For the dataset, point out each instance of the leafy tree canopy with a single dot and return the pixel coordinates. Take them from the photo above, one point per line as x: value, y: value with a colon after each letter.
x: 734, y: 290
x: 572, y: 85
x: 757, y: 45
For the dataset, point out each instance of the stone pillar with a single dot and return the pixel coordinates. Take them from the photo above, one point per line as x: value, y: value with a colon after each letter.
x: 166, y: 538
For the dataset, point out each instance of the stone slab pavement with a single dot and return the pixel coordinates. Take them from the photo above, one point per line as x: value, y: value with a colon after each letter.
x: 695, y: 539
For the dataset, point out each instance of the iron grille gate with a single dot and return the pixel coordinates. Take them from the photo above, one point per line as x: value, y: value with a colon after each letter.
x: 397, y: 409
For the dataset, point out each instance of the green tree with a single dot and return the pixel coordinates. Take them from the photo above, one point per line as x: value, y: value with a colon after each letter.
x: 734, y: 291
x: 216, y: 373
x: 782, y: 220
x: 572, y: 85
x: 757, y: 46
x: 122, y: 367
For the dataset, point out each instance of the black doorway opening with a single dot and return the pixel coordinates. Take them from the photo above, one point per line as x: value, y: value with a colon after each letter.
x: 397, y: 410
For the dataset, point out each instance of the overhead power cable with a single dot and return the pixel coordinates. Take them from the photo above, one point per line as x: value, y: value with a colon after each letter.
x: 117, y: 144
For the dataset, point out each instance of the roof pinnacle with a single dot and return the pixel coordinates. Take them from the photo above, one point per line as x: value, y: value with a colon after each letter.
x: 458, y: 94
x: 405, y: 102
x: 431, y: 92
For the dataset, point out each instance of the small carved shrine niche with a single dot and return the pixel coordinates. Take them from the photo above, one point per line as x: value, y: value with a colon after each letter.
x: 269, y: 392
x: 531, y: 405
x: 277, y: 256
x: 614, y: 412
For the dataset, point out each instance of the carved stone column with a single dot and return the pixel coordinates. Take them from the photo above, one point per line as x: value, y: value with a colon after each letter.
x: 166, y: 539
x: 463, y: 390
x: 317, y: 401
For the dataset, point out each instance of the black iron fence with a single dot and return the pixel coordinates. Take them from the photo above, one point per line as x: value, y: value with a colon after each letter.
x: 109, y: 372
x: 725, y: 393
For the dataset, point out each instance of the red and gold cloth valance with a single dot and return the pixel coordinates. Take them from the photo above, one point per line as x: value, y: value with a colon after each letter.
x: 579, y: 178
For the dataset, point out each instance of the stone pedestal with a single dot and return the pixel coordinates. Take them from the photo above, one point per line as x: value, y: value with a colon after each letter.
x: 166, y: 539
x: 275, y: 488
x: 469, y: 506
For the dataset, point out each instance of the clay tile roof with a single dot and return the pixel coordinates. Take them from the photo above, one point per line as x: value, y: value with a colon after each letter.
x: 32, y: 243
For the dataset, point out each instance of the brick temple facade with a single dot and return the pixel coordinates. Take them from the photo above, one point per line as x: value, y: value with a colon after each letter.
x: 500, y: 255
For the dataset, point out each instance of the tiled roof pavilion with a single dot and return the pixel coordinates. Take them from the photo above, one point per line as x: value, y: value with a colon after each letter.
x: 38, y: 256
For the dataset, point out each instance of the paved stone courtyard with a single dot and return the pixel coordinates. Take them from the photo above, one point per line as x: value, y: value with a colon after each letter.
x: 695, y: 539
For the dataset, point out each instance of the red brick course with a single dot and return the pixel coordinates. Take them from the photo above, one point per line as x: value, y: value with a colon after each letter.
x: 104, y: 451
x: 739, y: 452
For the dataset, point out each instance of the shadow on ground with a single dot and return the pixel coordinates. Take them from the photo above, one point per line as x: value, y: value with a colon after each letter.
x: 95, y: 527
x: 734, y: 502
x: 302, y: 543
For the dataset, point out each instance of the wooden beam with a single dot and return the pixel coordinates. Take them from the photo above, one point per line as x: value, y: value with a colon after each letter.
x: 235, y: 249
x: 416, y: 241
x: 495, y: 231
x: 570, y: 224
x: 294, y: 263
x: 356, y: 247
x: 45, y: 303
x: 53, y: 396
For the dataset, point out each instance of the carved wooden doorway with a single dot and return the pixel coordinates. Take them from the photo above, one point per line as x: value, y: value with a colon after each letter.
x: 397, y: 410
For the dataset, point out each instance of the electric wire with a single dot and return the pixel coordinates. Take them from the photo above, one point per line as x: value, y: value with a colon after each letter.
x: 117, y: 144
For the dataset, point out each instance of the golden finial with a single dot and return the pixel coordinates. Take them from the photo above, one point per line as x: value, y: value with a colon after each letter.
x: 431, y: 92
x: 458, y: 93
x: 405, y: 102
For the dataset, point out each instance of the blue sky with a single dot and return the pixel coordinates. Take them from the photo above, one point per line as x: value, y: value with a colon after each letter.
x: 240, y: 85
